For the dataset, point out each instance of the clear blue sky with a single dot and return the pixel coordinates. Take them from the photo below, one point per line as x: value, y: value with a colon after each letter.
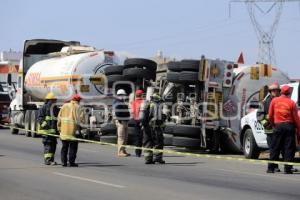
x: 182, y: 29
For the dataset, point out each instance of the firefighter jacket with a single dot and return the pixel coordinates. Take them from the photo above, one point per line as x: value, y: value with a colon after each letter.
x: 157, y: 118
x: 136, y: 107
x: 69, y: 119
x: 47, y: 119
x: 284, y: 110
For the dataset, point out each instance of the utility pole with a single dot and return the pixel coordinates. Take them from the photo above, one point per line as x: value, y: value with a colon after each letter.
x: 265, y: 35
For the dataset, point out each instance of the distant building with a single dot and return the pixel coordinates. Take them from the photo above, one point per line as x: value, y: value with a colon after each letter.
x: 10, y: 57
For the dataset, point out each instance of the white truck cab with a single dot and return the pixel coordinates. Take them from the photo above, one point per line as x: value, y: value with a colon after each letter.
x: 254, y: 137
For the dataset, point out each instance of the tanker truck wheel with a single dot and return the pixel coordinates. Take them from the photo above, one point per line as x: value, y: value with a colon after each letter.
x: 140, y: 62
x: 27, y: 123
x: 111, y: 79
x: 186, y: 142
x: 174, y: 66
x: 135, y: 73
x: 188, y: 131
x: 190, y: 65
x: 114, y: 69
x: 33, y: 124
x: 250, y: 147
x: 173, y: 77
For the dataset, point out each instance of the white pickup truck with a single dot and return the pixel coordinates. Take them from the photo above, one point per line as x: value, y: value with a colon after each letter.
x: 254, y: 137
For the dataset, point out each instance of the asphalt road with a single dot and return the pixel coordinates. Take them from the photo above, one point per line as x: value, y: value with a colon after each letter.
x: 101, y: 175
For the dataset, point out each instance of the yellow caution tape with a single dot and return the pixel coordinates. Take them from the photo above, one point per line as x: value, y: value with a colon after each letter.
x: 209, y: 156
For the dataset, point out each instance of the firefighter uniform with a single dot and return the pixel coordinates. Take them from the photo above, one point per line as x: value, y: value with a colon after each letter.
x: 47, y: 119
x: 153, y: 124
x: 274, y: 90
x: 283, y: 114
x: 69, y: 119
x: 135, y: 109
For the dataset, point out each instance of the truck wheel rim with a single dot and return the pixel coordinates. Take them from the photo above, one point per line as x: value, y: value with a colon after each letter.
x: 247, y: 145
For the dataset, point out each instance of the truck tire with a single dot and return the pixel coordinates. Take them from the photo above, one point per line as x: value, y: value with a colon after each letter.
x: 174, y: 66
x: 114, y: 69
x: 173, y: 77
x: 135, y: 73
x: 190, y: 65
x: 27, y: 123
x: 111, y: 79
x: 34, y: 123
x: 186, y: 142
x: 187, y: 131
x: 109, y: 139
x: 108, y: 128
x: 169, y: 128
x: 168, y: 139
x: 188, y: 76
x: 250, y: 147
x: 140, y: 62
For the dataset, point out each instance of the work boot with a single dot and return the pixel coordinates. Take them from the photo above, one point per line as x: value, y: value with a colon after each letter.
x: 149, y: 162
x: 123, y: 154
x: 73, y: 165
x: 159, y: 161
x: 53, y: 163
x: 64, y: 164
x: 277, y: 170
x: 138, y: 152
x: 47, y: 162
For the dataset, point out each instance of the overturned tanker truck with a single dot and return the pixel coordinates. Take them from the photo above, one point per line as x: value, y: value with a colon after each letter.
x: 206, y: 100
x: 68, y: 68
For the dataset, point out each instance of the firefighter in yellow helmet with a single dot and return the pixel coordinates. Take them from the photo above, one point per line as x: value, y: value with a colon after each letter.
x: 70, y: 118
x: 48, y: 126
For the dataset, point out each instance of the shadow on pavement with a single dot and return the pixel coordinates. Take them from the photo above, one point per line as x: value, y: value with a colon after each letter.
x: 184, y: 164
x: 97, y: 165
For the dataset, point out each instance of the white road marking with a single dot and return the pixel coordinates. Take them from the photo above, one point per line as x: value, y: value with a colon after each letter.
x: 262, y: 175
x: 89, y: 180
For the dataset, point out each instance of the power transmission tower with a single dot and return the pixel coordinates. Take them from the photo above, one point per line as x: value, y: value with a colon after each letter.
x: 265, y: 35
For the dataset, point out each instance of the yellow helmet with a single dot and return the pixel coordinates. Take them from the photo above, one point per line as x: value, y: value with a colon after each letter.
x: 50, y: 96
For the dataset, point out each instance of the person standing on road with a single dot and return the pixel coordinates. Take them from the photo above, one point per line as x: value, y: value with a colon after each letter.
x: 122, y: 116
x: 153, y: 122
x: 69, y: 119
x: 47, y: 120
x: 274, y: 90
x: 135, y: 109
x: 283, y: 115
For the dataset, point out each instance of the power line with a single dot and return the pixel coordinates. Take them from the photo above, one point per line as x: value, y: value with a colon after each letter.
x: 265, y: 35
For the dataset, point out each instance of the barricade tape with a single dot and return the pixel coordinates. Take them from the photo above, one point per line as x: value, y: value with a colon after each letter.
x: 209, y: 156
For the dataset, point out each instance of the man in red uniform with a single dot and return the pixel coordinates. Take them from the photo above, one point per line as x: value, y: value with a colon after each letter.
x: 135, y: 109
x: 283, y: 114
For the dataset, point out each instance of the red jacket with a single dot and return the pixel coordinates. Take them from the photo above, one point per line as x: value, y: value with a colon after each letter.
x: 283, y: 109
x: 135, y: 108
